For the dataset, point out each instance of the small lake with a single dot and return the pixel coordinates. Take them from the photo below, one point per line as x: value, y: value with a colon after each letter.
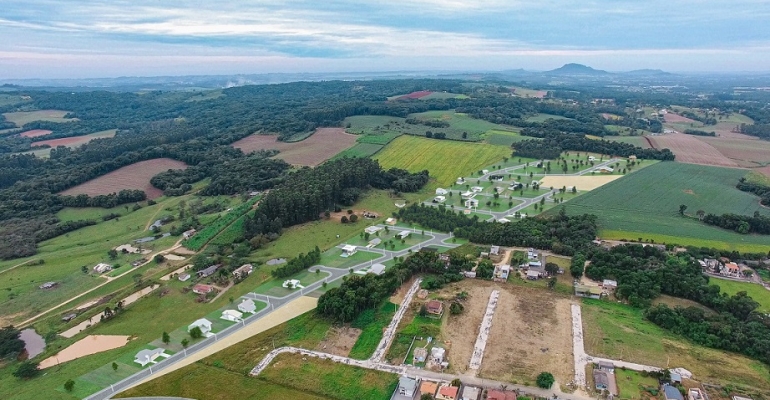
x: 33, y: 343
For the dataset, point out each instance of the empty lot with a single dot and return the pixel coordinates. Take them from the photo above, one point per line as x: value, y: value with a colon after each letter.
x: 324, y: 144
x: 134, y: 176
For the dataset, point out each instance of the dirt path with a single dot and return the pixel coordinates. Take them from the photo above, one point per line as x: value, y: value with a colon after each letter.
x: 15, y: 266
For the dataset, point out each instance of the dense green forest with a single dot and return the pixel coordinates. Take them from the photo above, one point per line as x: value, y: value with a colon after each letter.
x: 552, y: 145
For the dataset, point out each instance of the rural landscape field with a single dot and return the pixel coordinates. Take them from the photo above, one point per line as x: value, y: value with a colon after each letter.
x: 468, y: 237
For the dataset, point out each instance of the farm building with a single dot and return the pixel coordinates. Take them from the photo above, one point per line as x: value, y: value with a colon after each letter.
x: 348, y: 250
x: 434, y: 308
x: 403, y: 234
x: 232, y: 315
x: 243, y: 271
x: 203, y: 324
x: 372, y: 229
x: 441, y: 192
x: 502, y: 272
x: 208, y: 271
x: 102, y: 268
x: 247, y: 306
x: 145, y: 357
x: 202, y: 289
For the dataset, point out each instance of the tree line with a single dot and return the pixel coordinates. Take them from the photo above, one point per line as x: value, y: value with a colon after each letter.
x: 298, y: 263
x: 551, y: 147
x: 742, y: 224
x: 755, y: 188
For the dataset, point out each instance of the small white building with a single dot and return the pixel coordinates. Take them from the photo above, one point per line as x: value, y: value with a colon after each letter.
x: 441, y: 192
x: 484, y: 171
x: 247, y: 306
x: 437, y: 354
x: 477, y: 189
x: 102, y: 268
x: 502, y: 272
x: 145, y: 357
x: 503, y: 220
x: 391, y: 221
x: 348, y: 250
x: 373, y: 229
x: 605, y: 170
x: 403, y: 234
x: 377, y: 269
x: 188, y: 234
x: 202, y: 323
x: 184, y: 277
x: 471, y: 203
x: 232, y: 315
x: 439, y: 199
x: 460, y: 181
x: 467, y: 195
x: 591, y: 158
x: 292, y: 284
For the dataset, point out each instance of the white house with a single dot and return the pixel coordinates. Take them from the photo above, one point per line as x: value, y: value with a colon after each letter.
x: 605, y: 170
x: 247, y: 306
x: 460, y: 181
x: 348, y: 250
x: 477, y: 189
x: 202, y: 323
x: 184, y: 277
x: 372, y: 229
x: 502, y: 272
x: 470, y: 203
x: 188, y: 234
x: 377, y: 269
x: 374, y: 242
x: 403, y: 234
x: 145, y: 357
x: 484, y: 171
x: 439, y: 199
x: 292, y: 284
x: 102, y: 268
x: 243, y: 271
x: 391, y: 221
x: 441, y: 192
x: 467, y: 195
x: 406, y: 386
x: 591, y: 158
x: 494, y: 250
x: 232, y: 315
x: 503, y: 220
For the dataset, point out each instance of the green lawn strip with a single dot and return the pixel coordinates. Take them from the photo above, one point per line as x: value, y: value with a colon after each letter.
x: 274, y: 287
x: 360, y: 150
x: 371, y: 323
x: 332, y: 258
x: 755, y: 291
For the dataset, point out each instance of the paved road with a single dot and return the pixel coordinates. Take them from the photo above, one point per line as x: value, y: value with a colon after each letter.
x: 439, y: 239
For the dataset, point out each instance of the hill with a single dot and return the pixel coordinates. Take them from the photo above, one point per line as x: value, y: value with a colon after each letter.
x: 576, y: 69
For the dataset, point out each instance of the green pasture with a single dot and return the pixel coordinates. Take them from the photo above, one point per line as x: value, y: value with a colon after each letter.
x: 371, y: 323
x: 755, y: 291
x: 542, y: 117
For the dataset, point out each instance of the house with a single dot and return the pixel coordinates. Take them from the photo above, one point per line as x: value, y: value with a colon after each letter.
x: 672, y: 393
x: 731, y: 269
x: 145, y: 357
x: 477, y: 189
x: 467, y: 195
x: 697, y: 394
x: 243, y: 271
x: 184, y: 277
x: 494, y: 250
x: 102, y: 268
x: 460, y: 181
x: 503, y: 220
x: 533, y: 275
x: 516, y: 186
x: 419, y: 355
x: 292, y: 284
x: 428, y: 387
x: 609, y: 285
x: 484, y: 171
x: 676, y: 378
x: 471, y: 203
x: 403, y: 234
x: 532, y: 254
x: 247, y: 306
x: 470, y: 393
x: 202, y: 289
x: 591, y: 158
x: 253, y: 193
x: 607, y: 367
x: 348, y: 250
x: 535, y: 264
x: 406, y: 386
x: 447, y: 392
x: 189, y: 234
x: 497, y: 178
x: 632, y: 158
x: 501, y: 273
x: 48, y: 285
x: 374, y: 242
x: 437, y: 354
x: 208, y: 271
x: 372, y: 230
x: 592, y: 292
x: 391, y: 221
x: 741, y: 398
x: 606, y: 381
x: 434, y: 308
x: 202, y: 323
x: 441, y: 192
x: 501, y: 395
x: 605, y: 170
x: 439, y: 199
x: 232, y: 315
x: 377, y: 269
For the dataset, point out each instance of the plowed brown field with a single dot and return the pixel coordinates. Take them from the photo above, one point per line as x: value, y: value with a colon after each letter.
x: 676, y: 118
x: 134, y: 176
x: 746, y: 153
x: 688, y: 149
x: 35, y: 133
x: 324, y: 144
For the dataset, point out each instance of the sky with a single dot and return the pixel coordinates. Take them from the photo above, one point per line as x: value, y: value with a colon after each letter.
x: 90, y: 39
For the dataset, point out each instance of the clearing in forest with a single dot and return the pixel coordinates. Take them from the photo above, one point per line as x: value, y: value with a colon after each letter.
x: 35, y: 133
x: 134, y: 176
x: 324, y: 144
x: 24, y: 117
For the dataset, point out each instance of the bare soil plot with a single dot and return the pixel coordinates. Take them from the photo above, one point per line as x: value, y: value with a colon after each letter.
x: 324, y: 144
x: 746, y: 153
x: 76, y: 141
x: 581, y: 183
x: 531, y: 333
x: 676, y: 118
x: 134, y: 176
x: 35, y: 133
x: 25, y: 117
x: 764, y: 171
x: 688, y: 149
x: 339, y: 340
x: 90, y: 344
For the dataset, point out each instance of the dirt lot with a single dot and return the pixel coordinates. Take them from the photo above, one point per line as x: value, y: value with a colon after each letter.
x: 324, y: 144
x: 582, y: 183
x: 35, y: 133
x: 339, y: 340
x: 688, y: 149
x: 746, y: 153
x: 134, y: 176
x: 76, y: 141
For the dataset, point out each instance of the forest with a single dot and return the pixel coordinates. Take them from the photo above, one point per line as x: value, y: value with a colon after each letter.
x: 755, y: 188
x: 740, y: 223
x: 552, y: 146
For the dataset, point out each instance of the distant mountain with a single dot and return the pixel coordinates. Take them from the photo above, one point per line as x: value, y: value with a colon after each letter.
x: 576, y: 69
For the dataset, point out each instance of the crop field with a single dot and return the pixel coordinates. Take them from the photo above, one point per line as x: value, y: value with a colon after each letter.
x: 24, y: 117
x: 689, y: 149
x: 638, y: 141
x: 324, y: 144
x: 35, y: 133
x: 504, y: 138
x: 446, y: 160
x: 618, y: 331
x: 756, y: 291
x: 71, y: 142
x: 134, y: 176
x: 542, y: 117
x: 745, y: 153
x: 645, y: 204
x: 360, y: 150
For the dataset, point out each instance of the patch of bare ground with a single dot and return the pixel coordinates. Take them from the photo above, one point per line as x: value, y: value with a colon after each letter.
x: 531, y: 333
x: 339, y: 340
x: 398, y: 296
x: 688, y: 149
x: 764, y: 171
x: 322, y: 145
x: 674, y: 118
x: 134, y: 176
x: 746, y: 153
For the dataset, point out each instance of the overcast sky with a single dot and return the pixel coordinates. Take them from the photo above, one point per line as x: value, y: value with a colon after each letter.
x: 77, y: 38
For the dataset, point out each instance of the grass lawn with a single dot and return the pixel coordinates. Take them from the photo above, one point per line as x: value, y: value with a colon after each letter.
x: 755, y: 291
x: 618, y: 331
x: 274, y: 287
x: 646, y: 204
x: 332, y: 259
x: 631, y: 385
x: 417, y: 154
x: 371, y: 323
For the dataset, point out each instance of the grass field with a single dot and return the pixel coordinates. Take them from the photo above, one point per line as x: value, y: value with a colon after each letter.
x: 631, y: 385
x: 504, y: 138
x: 371, y: 323
x: 24, y: 117
x: 542, y: 117
x: 637, y: 141
x: 620, y: 332
x: 757, y: 292
x: 645, y: 205
x: 360, y: 150
x: 446, y: 160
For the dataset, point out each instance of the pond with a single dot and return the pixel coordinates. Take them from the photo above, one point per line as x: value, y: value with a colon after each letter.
x: 33, y: 343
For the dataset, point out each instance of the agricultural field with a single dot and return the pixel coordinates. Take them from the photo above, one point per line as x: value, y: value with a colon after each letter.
x: 35, y: 133
x: 325, y: 143
x: 416, y: 154
x: 24, y: 117
x: 504, y: 138
x: 756, y: 291
x: 689, y: 149
x: 71, y: 142
x: 638, y: 141
x: 542, y: 117
x: 10, y: 99
x: 210, y: 231
x: 134, y: 176
x: 645, y: 204
x: 618, y: 331
x: 524, y: 92
x: 745, y: 153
